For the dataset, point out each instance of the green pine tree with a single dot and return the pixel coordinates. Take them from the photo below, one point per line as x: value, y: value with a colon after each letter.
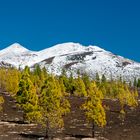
x: 71, y: 84
x: 53, y: 104
x: 37, y: 70
x: 86, y: 80
x: 65, y: 80
x: 27, y: 97
x: 93, y: 108
x: 103, y: 80
x: 135, y: 82
x: 1, y: 102
x: 138, y: 83
x: 80, y: 89
x: 126, y: 97
x: 97, y: 79
x: 12, y: 81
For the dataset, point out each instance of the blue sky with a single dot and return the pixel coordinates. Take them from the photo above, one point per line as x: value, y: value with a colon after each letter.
x: 37, y: 24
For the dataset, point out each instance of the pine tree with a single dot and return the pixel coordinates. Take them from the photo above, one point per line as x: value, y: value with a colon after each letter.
x: 12, y: 81
x: 53, y: 104
x: 27, y: 98
x: 93, y: 108
x: 132, y: 100
x: 135, y: 82
x: 80, y: 89
x: 113, y: 89
x: 1, y: 102
x: 122, y: 97
x: 63, y: 89
x: 71, y: 84
x: 138, y: 83
x: 86, y: 80
x: 44, y: 72
x: 130, y: 84
x: 37, y: 70
x: 126, y: 97
x: 3, y: 77
x: 38, y: 78
x: 97, y: 79
x: 103, y: 80
x: 65, y: 79
x: 103, y: 88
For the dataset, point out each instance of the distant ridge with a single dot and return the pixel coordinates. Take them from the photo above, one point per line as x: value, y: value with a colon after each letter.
x: 72, y: 57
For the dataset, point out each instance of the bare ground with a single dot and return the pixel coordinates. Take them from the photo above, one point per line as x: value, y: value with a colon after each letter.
x: 12, y: 126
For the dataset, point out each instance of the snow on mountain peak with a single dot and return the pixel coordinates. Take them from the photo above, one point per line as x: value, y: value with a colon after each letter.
x: 60, y: 49
x: 70, y: 47
x: 15, y: 54
x: 63, y: 48
x: 95, y: 48
x: 72, y: 56
x: 16, y: 47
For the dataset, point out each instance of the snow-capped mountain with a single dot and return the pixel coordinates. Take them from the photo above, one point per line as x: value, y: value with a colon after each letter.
x: 17, y: 55
x: 72, y: 57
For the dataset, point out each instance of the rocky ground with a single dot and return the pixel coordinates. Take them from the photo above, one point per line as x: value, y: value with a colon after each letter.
x: 76, y: 128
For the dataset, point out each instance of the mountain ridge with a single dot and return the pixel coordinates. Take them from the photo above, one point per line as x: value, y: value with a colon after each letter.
x: 72, y: 57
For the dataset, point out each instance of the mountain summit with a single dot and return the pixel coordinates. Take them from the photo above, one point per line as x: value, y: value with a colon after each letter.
x: 72, y: 57
x: 14, y: 48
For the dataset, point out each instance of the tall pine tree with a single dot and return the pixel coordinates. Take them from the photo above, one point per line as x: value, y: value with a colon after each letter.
x: 27, y: 97
x: 93, y: 108
x: 53, y: 104
x: 80, y: 89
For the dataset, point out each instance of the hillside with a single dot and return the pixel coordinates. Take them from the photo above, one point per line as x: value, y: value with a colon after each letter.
x: 12, y: 126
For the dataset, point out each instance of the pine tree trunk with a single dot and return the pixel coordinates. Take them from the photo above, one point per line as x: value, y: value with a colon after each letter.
x: 48, y: 131
x: 46, y: 135
x: 93, y: 130
x: 24, y: 117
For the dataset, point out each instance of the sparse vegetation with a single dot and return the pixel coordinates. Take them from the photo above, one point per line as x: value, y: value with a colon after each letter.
x: 44, y: 98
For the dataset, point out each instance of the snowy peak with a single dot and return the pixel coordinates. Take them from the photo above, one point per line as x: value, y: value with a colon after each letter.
x: 61, y: 49
x: 65, y: 49
x: 17, y: 46
x: 16, y: 55
x: 14, y: 48
x: 95, y: 48
x: 72, y: 57
x: 70, y: 46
